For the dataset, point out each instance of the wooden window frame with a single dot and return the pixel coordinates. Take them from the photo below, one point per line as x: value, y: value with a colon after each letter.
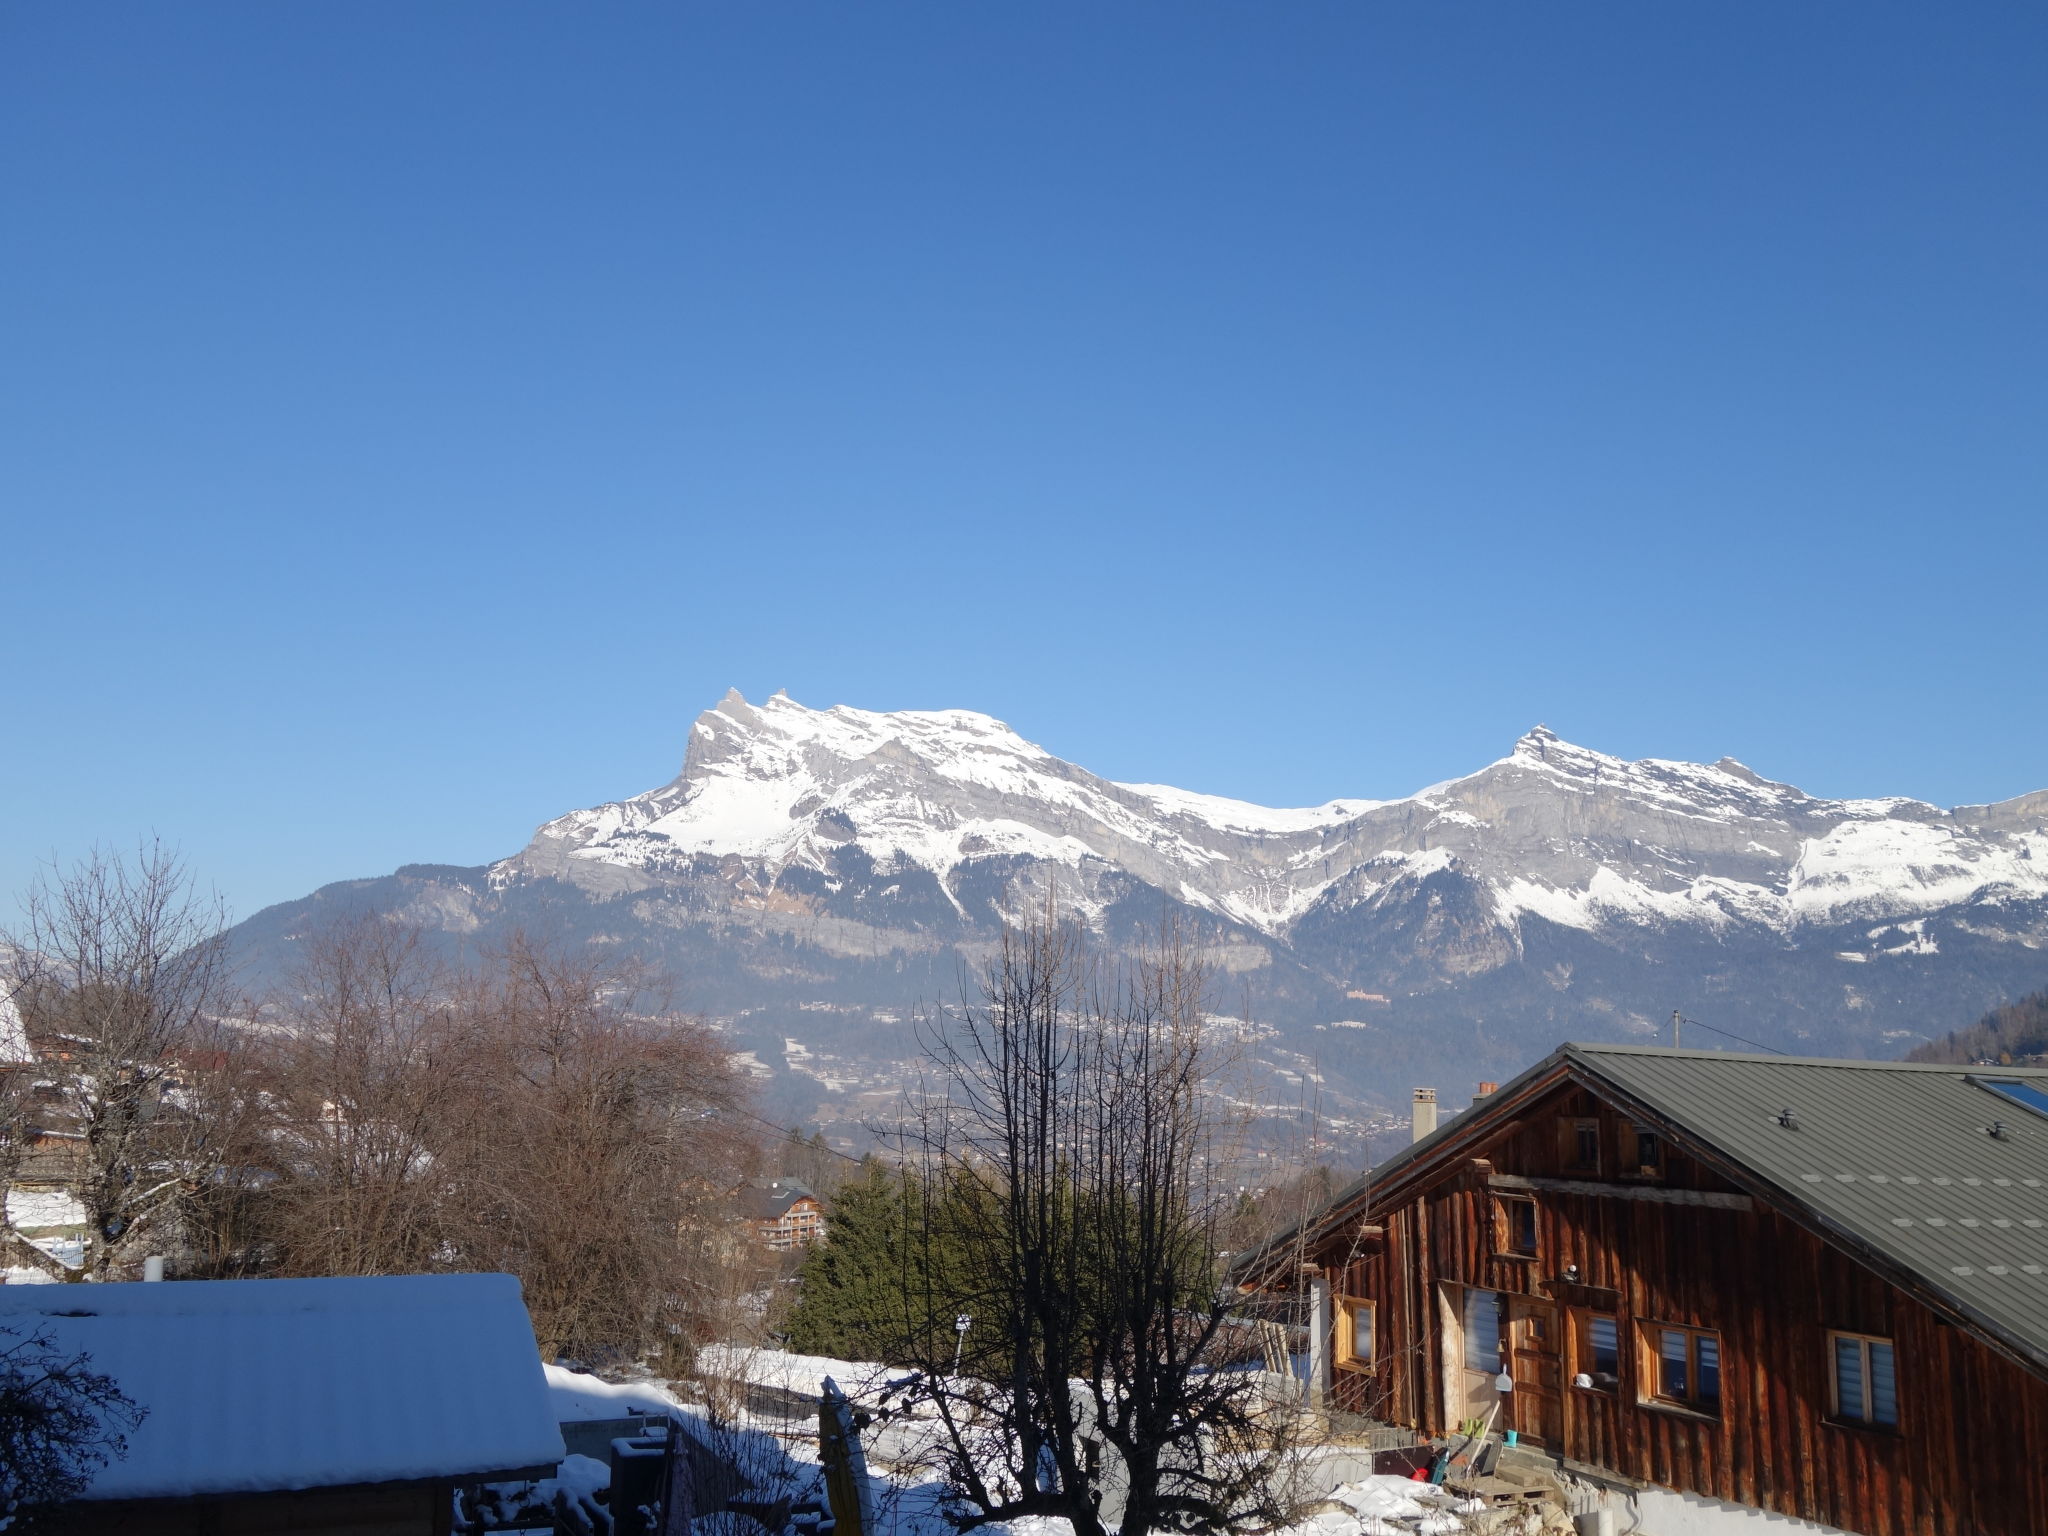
x: 1581, y: 1319
x: 1650, y: 1369
x: 1569, y: 1128
x: 1861, y: 1420
x: 1632, y: 1164
x: 1504, y: 1206
x: 1346, y: 1340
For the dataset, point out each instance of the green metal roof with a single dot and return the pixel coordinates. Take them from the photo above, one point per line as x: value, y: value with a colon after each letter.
x: 1891, y: 1158
x: 1895, y: 1157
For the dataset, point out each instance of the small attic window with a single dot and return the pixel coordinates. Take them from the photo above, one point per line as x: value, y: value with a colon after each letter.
x: 2028, y: 1093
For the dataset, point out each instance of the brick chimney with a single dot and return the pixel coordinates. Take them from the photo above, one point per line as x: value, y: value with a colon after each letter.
x: 1486, y: 1091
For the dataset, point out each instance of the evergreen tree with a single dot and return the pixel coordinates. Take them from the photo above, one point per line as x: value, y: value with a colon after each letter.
x: 887, y: 1280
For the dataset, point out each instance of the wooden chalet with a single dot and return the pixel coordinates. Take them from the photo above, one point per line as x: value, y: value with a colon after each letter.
x: 1809, y: 1287
x: 783, y: 1213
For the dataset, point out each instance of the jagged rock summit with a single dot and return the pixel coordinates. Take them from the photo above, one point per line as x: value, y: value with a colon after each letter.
x: 1551, y: 830
x: 812, y: 876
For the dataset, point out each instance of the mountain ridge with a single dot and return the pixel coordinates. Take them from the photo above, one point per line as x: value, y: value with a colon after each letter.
x: 811, y: 876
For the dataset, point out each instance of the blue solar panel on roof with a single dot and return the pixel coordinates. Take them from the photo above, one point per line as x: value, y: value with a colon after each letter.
x: 2032, y: 1095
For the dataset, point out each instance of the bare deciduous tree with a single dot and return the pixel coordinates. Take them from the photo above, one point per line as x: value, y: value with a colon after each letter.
x: 1071, y: 1160
x: 120, y: 972
x: 369, y: 1083
x: 597, y: 1137
x: 531, y: 1113
x: 60, y: 1423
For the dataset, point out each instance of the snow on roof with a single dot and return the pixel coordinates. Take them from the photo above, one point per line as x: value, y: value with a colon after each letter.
x: 256, y: 1386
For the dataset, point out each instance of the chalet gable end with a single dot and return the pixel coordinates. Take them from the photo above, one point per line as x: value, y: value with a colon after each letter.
x: 1792, y: 1285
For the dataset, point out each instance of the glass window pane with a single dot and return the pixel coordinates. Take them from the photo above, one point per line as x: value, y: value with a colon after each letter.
x: 1849, y: 1378
x: 1482, y: 1330
x: 1361, y: 1332
x: 1649, y: 1150
x: 1707, y: 1351
x: 1671, y: 1355
x: 1605, y: 1338
x: 1522, y: 1215
x: 1884, y: 1396
x: 1589, y: 1146
x: 2020, y: 1091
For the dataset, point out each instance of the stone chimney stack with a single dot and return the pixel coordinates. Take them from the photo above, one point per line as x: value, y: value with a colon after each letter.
x: 1422, y: 1114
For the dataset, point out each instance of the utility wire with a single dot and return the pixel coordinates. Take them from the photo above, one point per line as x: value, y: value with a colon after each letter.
x: 784, y: 1130
x: 1679, y: 1018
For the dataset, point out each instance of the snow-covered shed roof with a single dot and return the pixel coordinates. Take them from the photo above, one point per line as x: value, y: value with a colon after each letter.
x: 256, y: 1386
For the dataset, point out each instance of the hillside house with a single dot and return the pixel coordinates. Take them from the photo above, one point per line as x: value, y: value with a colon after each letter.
x: 1720, y: 1284
x: 783, y: 1213
x: 295, y: 1405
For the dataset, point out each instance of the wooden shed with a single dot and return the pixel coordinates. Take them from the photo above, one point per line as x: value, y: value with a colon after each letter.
x: 353, y: 1405
x: 1810, y: 1287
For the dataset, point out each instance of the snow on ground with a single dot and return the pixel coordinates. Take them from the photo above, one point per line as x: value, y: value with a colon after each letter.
x: 1386, y: 1506
x: 802, y: 1374
x: 578, y: 1397
x: 29, y: 1209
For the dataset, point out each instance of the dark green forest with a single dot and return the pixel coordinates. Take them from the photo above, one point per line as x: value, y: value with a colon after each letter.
x: 2015, y: 1035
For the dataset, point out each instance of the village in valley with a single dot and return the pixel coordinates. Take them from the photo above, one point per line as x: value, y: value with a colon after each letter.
x: 978, y: 769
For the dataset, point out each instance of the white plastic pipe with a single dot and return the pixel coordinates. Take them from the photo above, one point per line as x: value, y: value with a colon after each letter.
x: 1318, y: 1339
x: 153, y: 1267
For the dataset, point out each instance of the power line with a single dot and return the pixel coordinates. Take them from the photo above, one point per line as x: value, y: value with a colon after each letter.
x: 785, y: 1130
x: 1678, y: 1018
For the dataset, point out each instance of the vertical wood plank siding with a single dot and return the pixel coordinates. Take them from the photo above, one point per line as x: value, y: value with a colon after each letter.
x: 1967, y: 1455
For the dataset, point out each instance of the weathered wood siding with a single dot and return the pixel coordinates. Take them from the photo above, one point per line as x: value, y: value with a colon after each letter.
x: 1965, y: 1457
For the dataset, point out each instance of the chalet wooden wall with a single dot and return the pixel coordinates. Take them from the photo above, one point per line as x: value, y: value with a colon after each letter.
x: 1970, y: 1454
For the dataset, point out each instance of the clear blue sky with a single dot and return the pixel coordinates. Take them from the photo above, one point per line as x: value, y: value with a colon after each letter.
x: 411, y: 415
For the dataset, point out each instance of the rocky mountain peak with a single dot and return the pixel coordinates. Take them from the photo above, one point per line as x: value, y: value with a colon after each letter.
x: 818, y: 865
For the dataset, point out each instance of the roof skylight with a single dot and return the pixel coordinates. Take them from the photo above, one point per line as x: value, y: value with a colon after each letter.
x: 2029, y: 1093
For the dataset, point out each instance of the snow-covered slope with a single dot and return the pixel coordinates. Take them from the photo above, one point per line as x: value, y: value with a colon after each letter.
x: 1552, y: 830
x: 778, y: 785
x: 813, y: 879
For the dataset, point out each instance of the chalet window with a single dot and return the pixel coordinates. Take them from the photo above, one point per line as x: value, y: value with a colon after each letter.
x: 1514, y: 1226
x: 1866, y: 1384
x: 1642, y: 1152
x: 1579, y: 1144
x: 1599, y: 1349
x: 1482, y: 1330
x: 1356, y: 1333
x: 1682, y: 1366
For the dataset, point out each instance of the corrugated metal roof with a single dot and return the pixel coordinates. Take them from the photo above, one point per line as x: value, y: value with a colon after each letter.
x: 256, y: 1386
x: 1894, y: 1156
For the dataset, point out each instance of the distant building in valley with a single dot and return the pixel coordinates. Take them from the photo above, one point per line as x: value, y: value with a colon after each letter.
x: 783, y: 1213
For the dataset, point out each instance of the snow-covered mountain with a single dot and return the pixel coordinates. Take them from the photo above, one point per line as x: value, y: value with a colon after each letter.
x: 1551, y: 831
x: 821, y: 872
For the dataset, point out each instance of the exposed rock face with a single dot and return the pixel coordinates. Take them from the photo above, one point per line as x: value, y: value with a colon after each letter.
x: 814, y: 875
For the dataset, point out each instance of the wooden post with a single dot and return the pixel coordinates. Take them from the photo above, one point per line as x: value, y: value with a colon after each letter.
x: 846, y: 1466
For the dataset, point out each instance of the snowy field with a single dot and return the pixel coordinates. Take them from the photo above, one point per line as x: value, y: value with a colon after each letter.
x: 909, y: 1505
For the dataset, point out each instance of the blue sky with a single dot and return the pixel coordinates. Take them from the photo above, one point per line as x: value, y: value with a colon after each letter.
x: 412, y: 416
